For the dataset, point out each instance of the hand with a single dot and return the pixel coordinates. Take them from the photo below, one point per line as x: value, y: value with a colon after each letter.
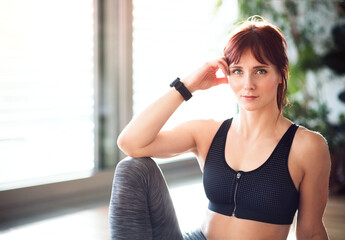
x: 205, y: 77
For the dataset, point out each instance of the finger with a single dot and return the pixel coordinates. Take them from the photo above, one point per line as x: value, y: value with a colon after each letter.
x: 223, y: 61
x: 222, y: 80
x: 225, y: 65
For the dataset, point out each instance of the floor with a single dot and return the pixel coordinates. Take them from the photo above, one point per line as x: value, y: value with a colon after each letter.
x: 92, y: 224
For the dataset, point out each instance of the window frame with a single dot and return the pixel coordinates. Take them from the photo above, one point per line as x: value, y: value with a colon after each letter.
x: 112, y: 84
x: 113, y: 111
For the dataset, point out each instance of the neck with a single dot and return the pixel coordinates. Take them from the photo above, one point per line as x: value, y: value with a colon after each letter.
x: 253, y: 124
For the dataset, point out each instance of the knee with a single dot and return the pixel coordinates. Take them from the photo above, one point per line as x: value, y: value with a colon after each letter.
x: 136, y: 167
x: 132, y: 164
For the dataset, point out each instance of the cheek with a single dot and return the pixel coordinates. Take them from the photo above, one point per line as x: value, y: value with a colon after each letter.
x: 271, y: 86
x: 270, y: 89
x: 235, y: 85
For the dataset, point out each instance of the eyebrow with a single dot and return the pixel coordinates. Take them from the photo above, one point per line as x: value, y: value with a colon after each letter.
x: 260, y: 66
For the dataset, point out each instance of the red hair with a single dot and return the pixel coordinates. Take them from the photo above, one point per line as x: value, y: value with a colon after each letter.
x: 266, y: 43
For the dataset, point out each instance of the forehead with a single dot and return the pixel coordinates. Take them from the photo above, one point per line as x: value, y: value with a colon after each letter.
x: 248, y: 58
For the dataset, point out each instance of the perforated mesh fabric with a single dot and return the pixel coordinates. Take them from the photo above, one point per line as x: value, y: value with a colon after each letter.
x: 266, y: 194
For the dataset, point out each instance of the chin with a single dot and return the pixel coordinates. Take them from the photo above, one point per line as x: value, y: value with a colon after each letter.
x: 249, y: 107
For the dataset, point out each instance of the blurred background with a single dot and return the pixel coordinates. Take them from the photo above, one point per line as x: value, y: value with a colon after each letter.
x: 74, y: 72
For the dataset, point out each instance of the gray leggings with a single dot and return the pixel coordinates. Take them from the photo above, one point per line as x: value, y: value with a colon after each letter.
x: 140, y: 204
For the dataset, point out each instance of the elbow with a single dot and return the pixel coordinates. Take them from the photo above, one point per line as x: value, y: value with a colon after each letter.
x: 121, y: 142
x: 126, y: 147
x: 123, y: 145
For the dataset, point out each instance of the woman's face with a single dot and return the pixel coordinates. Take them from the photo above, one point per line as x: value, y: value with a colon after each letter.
x: 254, y: 84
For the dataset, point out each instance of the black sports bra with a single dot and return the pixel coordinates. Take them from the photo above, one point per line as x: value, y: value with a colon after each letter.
x: 266, y: 194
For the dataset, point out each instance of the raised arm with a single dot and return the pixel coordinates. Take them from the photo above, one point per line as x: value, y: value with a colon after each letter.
x: 143, y: 135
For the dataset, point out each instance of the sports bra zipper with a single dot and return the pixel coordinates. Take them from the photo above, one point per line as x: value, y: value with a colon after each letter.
x: 238, y: 176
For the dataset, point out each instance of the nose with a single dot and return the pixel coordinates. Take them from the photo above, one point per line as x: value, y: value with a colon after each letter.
x: 249, y: 83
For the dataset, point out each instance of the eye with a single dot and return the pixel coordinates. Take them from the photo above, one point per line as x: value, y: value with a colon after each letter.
x: 237, y: 71
x: 261, y: 71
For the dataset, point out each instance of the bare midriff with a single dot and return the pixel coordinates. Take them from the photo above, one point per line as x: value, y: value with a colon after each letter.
x: 218, y: 226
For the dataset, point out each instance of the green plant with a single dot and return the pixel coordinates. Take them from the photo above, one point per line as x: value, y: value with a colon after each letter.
x: 305, y: 25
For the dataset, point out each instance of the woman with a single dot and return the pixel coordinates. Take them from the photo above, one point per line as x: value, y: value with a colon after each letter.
x: 258, y: 167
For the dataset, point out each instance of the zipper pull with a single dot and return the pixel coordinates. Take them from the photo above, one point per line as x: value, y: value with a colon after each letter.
x: 238, y: 175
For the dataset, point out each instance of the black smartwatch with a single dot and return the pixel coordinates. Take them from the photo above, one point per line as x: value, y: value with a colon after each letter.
x: 181, y: 88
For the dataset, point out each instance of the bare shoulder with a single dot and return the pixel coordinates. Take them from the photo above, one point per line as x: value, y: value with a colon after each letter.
x: 203, y: 129
x: 203, y: 132
x: 309, y: 138
x: 309, y: 141
x: 311, y: 148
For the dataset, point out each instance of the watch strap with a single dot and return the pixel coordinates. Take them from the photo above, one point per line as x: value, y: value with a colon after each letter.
x: 181, y: 88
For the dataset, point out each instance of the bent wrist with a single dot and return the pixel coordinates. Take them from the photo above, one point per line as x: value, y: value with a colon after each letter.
x: 189, y: 86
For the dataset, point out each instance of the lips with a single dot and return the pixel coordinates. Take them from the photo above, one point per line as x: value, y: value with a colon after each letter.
x: 249, y: 97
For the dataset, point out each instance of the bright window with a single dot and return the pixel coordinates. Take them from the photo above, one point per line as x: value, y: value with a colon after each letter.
x: 172, y: 39
x: 46, y: 89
